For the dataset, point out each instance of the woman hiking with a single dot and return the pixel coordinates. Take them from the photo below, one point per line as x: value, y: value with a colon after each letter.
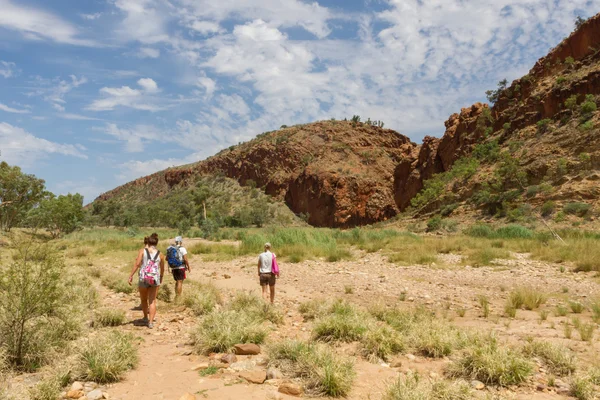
x: 268, y: 272
x: 152, y: 267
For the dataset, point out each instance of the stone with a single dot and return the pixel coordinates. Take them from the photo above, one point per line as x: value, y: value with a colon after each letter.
x: 540, y: 387
x: 200, y: 367
x: 228, y: 358
x: 396, y: 364
x: 257, y: 376
x: 188, y: 396
x: 226, y: 276
x: 290, y: 388
x: 411, y: 357
x: 477, y: 385
x: 77, y: 386
x: 248, y: 349
x: 246, y: 365
x: 95, y: 394
x: 274, y: 373
x: 75, y: 394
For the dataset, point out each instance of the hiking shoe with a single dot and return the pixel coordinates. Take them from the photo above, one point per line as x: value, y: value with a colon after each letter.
x: 145, y: 320
x: 150, y: 325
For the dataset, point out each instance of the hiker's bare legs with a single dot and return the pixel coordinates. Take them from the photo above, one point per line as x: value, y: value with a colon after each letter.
x: 151, y: 302
x: 178, y: 288
x: 144, y: 300
x: 265, y: 293
x: 272, y: 290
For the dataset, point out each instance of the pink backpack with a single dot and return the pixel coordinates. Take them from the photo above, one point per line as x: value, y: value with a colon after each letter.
x: 274, y: 266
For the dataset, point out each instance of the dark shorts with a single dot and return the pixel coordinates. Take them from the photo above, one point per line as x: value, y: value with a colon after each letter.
x: 267, y: 279
x: 179, y: 274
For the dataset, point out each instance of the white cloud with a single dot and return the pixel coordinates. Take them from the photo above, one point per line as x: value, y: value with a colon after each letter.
x: 148, y: 52
x: 135, y: 137
x: 8, y: 109
x: 148, y: 85
x: 91, y: 17
x: 279, y: 13
x: 7, y: 69
x: 206, y: 27
x: 36, y: 24
x: 125, y: 96
x: 22, y: 148
x: 145, y: 20
x: 76, y: 117
x: 54, y: 91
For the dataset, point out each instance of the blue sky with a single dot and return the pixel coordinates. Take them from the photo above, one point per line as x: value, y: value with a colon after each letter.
x: 94, y: 93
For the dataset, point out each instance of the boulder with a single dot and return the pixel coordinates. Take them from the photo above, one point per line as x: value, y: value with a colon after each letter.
x: 290, y: 388
x: 228, y: 358
x: 257, y: 376
x: 95, y: 394
x: 247, y: 349
x: 77, y: 386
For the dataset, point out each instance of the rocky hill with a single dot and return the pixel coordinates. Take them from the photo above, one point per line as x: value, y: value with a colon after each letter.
x: 538, y: 143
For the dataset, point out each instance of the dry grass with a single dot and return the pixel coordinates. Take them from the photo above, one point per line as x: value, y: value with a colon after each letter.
x: 255, y: 307
x: 526, y: 297
x: 201, y: 298
x: 108, y: 317
x: 380, y: 341
x: 106, y: 357
x: 559, y: 360
x: 322, y: 371
x: 414, y: 387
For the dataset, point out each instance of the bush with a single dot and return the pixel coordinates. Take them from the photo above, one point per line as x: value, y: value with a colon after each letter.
x: 106, y: 357
x: 47, y: 389
x: 219, y: 332
x: 109, y: 317
x: 492, y: 365
x: 559, y: 360
x: 579, y: 209
x: 434, y: 224
x: 543, y: 125
x: 582, y: 388
x: 547, y: 208
x: 322, y: 371
x: 412, y: 387
x: 344, y: 327
x: 35, y: 317
x: 589, y: 105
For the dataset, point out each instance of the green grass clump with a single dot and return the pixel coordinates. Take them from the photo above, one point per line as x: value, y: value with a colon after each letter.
x: 106, y: 357
x: 117, y: 283
x: 109, y: 317
x: 343, y: 327
x: 560, y: 360
x: 209, y: 371
x: 595, y: 307
x: 46, y: 389
x: 413, y: 387
x: 526, y: 297
x: 492, y: 365
x: 322, y: 371
x: 201, y: 298
x: 381, y: 341
x: 219, y: 332
x: 165, y: 293
x: 512, y: 231
x: 579, y: 209
x: 576, y: 307
x: 255, y: 308
x: 582, y: 388
x: 314, y: 308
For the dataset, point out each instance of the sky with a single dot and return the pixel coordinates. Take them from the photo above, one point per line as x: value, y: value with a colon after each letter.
x: 95, y: 93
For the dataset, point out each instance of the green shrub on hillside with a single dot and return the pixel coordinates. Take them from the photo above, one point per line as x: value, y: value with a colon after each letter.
x: 543, y: 125
x: 579, y: 209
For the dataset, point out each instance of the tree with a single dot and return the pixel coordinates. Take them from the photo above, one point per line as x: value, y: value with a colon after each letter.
x: 19, y: 193
x: 59, y: 215
x: 579, y: 21
x: 494, y: 95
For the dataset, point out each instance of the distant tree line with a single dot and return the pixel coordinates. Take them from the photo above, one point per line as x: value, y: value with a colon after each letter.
x: 24, y: 201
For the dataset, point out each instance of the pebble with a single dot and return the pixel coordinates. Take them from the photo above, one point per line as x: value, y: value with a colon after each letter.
x: 95, y: 394
x: 477, y: 385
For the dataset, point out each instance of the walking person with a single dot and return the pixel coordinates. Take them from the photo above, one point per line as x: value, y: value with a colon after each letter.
x: 152, y: 267
x: 179, y: 264
x: 266, y: 274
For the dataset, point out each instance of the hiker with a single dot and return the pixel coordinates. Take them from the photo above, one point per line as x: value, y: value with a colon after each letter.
x: 145, y: 246
x: 268, y: 272
x: 152, y: 267
x: 178, y: 263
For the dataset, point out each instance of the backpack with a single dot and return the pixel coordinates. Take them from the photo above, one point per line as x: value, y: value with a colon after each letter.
x: 174, y: 258
x: 150, y: 273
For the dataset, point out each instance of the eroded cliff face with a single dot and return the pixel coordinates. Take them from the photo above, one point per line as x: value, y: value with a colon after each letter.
x: 337, y: 173
x: 572, y: 68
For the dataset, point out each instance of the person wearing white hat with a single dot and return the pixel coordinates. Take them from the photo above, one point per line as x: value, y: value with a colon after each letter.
x: 179, y: 264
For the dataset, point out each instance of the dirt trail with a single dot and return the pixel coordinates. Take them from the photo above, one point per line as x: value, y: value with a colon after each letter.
x: 166, y: 367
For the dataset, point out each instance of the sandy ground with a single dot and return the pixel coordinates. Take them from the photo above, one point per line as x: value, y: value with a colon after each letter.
x: 167, y: 363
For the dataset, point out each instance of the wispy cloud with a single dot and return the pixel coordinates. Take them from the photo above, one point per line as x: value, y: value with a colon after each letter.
x: 22, y: 148
x: 7, y: 69
x: 8, y: 109
x: 36, y: 24
x: 76, y: 117
x: 135, y: 138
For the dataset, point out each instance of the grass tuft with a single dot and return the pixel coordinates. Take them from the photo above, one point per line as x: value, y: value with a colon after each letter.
x: 526, y: 297
x: 323, y: 372
x: 109, y: 317
x: 492, y: 365
x: 255, y: 308
x: 201, y: 298
x: 560, y: 360
x: 106, y: 357
x: 413, y: 387
x: 219, y: 332
x: 381, y: 341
